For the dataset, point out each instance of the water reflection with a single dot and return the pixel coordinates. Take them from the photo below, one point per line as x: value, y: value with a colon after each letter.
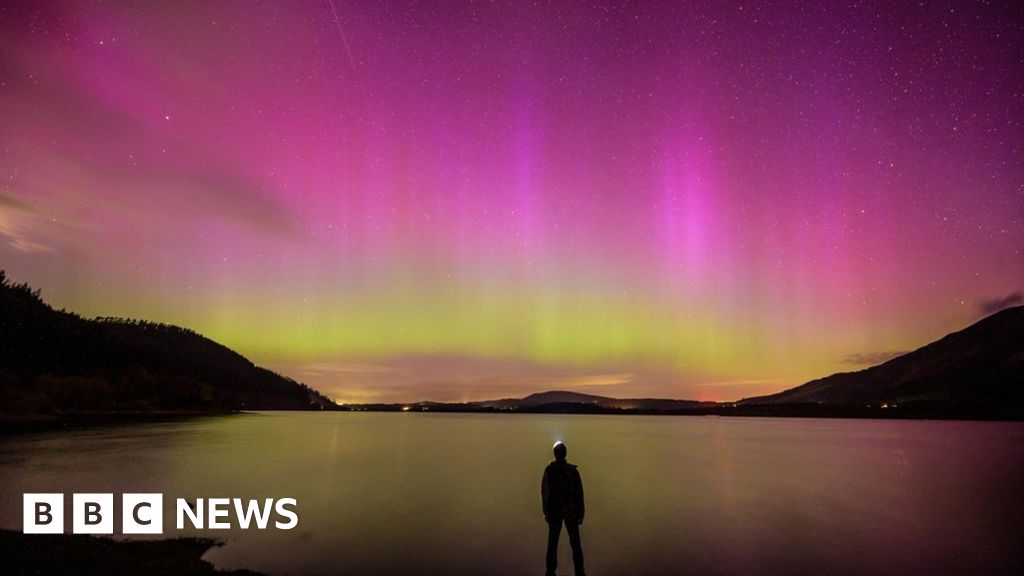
x: 457, y: 493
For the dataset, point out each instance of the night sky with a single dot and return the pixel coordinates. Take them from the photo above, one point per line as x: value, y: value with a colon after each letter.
x: 406, y: 201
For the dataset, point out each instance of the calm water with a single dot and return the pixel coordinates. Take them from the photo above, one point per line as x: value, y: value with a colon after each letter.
x: 458, y: 494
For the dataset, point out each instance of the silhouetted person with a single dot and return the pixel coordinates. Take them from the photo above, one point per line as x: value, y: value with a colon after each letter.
x: 561, y: 493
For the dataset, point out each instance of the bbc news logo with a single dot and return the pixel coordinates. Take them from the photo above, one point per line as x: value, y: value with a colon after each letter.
x: 144, y: 513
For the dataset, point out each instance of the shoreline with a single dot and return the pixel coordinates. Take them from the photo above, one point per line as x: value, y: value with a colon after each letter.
x: 725, y: 410
x: 18, y: 424
x: 74, y: 554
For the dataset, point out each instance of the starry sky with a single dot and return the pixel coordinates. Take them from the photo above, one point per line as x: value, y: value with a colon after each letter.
x: 398, y: 201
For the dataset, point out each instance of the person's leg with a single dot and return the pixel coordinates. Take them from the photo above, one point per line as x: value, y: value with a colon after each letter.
x: 554, y: 529
x: 577, y: 547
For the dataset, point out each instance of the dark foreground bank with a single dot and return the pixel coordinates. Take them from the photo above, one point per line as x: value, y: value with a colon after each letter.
x: 65, y: 554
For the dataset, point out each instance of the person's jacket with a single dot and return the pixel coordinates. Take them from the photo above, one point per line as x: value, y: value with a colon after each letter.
x: 561, y: 492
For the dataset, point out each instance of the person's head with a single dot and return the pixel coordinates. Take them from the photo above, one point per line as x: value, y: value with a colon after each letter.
x: 560, y: 451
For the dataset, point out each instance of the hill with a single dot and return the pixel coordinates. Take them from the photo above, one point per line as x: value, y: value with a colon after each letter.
x: 565, y: 398
x: 541, y: 398
x: 976, y: 372
x: 56, y: 362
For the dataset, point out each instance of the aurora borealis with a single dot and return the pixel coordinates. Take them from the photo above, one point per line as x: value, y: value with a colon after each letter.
x: 403, y: 201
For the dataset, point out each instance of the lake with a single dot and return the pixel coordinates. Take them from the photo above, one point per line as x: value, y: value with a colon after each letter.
x: 413, y: 493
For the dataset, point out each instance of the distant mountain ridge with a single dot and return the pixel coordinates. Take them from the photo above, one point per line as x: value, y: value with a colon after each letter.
x: 58, y: 362
x: 566, y: 397
x: 978, y: 368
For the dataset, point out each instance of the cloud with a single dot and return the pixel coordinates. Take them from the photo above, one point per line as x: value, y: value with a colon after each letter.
x: 464, y: 378
x: 328, y: 368
x: 16, y: 218
x: 577, y: 380
x: 446, y: 378
x: 29, y: 228
x: 872, y: 358
x: 78, y: 147
x: 989, y: 306
x: 8, y: 201
x: 740, y: 382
